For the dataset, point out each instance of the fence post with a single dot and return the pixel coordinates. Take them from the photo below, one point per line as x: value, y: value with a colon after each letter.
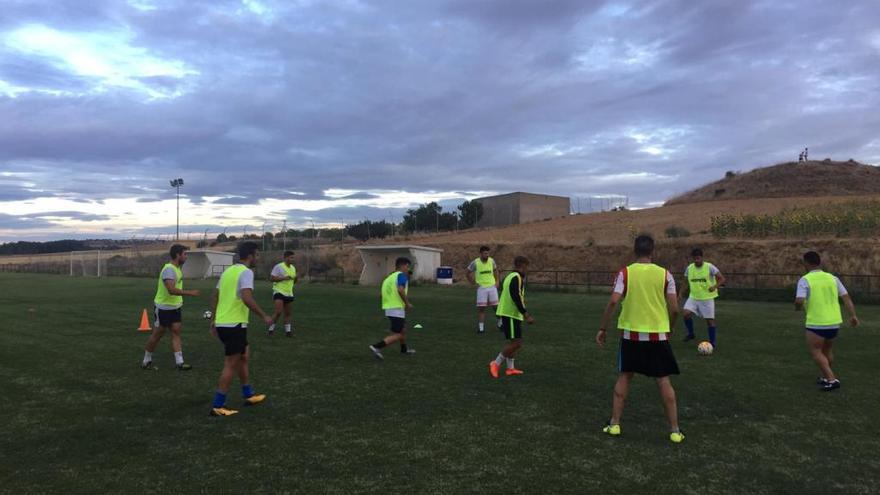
x: 556, y: 283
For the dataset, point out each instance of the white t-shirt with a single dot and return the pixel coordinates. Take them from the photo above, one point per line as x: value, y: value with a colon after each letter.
x: 245, y: 281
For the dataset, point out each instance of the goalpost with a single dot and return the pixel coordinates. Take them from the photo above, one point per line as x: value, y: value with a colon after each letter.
x: 87, y: 264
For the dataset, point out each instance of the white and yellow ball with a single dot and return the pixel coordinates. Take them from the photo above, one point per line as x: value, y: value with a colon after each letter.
x: 705, y: 348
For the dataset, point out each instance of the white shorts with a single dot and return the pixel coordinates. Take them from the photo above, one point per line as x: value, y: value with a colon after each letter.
x: 487, y: 296
x: 703, y: 309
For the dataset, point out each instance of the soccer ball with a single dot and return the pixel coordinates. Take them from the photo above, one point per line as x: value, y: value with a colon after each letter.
x: 705, y: 348
x: 207, y: 315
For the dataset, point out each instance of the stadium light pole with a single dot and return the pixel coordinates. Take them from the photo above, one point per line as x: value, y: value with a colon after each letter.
x: 176, y: 183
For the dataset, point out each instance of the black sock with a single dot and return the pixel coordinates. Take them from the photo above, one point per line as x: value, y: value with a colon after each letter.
x: 380, y: 345
x: 402, y: 347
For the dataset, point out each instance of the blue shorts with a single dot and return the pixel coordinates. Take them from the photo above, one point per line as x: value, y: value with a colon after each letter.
x: 825, y: 333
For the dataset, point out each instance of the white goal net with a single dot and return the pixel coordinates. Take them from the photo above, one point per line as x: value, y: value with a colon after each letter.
x: 87, y: 264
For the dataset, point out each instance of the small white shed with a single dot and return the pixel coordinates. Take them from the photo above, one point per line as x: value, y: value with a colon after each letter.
x: 204, y: 263
x: 379, y: 262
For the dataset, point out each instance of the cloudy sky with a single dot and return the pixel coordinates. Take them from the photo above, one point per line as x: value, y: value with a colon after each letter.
x: 331, y: 111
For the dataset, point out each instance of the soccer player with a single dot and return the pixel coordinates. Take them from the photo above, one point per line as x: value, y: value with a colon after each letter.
x: 283, y: 278
x: 232, y: 302
x: 511, y: 312
x: 484, y: 273
x: 395, y: 302
x: 650, y: 307
x: 703, y: 280
x: 818, y: 292
x: 168, y: 303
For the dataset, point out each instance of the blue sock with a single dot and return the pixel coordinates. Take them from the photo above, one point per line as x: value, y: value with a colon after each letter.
x: 219, y: 399
x: 247, y: 391
x: 689, y: 323
x: 712, y: 335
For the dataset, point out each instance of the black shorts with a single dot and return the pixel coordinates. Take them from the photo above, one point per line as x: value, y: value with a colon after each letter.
x: 510, y: 327
x: 287, y: 299
x: 397, y: 324
x: 167, y: 317
x: 234, y: 339
x: 646, y: 358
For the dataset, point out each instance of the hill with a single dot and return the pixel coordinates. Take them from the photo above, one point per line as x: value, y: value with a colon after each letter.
x: 792, y: 179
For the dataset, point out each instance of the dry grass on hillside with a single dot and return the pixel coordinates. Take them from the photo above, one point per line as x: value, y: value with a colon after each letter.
x: 808, y: 179
x: 617, y: 228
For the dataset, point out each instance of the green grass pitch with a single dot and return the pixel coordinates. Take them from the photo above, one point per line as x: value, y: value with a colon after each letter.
x: 80, y: 416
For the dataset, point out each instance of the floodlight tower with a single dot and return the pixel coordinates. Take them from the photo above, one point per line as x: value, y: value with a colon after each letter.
x: 176, y: 183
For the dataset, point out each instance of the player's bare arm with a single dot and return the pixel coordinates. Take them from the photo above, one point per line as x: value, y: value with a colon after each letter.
x: 247, y: 297
x: 402, y: 292
x: 719, y: 281
x: 851, y: 309
x: 610, y: 309
x: 174, y: 291
x: 672, y: 307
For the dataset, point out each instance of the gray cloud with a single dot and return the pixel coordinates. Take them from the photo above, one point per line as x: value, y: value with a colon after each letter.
x: 640, y: 98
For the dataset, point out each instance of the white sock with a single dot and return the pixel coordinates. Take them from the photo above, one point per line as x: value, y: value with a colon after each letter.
x: 178, y: 357
x: 148, y: 356
x: 272, y: 327
x: 510, y: 363
x: 481, y: 326
x: 287, y: 327
x: 499, y: 359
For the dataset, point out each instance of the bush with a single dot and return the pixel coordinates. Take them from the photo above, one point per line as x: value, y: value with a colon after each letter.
x: 676, y: 231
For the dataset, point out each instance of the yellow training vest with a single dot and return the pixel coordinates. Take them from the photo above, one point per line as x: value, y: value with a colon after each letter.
x: 231, y: 310
x: 484, y: 273
x: 390, y: 297
x: 163, y: 297
x: 506, y: 305
x: 700, y: 279
x: 644, y: 304
x: 285, y: 287
x: 823, y: 306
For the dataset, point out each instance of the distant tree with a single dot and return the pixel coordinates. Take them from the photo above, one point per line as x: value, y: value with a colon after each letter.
x: 424, y: 218
x: 222, y: 238
x: 369, y: 230
x: 469, y: 213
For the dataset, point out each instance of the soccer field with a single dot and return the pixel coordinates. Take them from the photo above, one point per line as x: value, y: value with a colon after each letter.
x: 82, y: 417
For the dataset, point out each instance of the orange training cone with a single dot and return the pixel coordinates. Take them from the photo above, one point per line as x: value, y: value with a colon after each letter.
x: 145, y: 323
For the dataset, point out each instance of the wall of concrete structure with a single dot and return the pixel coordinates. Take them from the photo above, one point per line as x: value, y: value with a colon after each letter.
x: 534, y: 207
x: 516, y: 208
x: 499, y: 210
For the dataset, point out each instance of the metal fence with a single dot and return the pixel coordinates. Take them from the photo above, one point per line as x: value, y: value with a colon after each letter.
x: 775, y: 286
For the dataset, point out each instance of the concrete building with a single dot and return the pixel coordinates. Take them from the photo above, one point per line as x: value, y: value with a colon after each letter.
x: 205, y: 263
x: 521, y: 207
x: 379, y: 262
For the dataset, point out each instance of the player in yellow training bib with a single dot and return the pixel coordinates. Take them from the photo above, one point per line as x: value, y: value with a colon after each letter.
x: 819, y: 293
x: 169, y: 304
x: 650, y: 305
x: 702, y: 282
x: 283, y: 278
x: 484, y: 273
